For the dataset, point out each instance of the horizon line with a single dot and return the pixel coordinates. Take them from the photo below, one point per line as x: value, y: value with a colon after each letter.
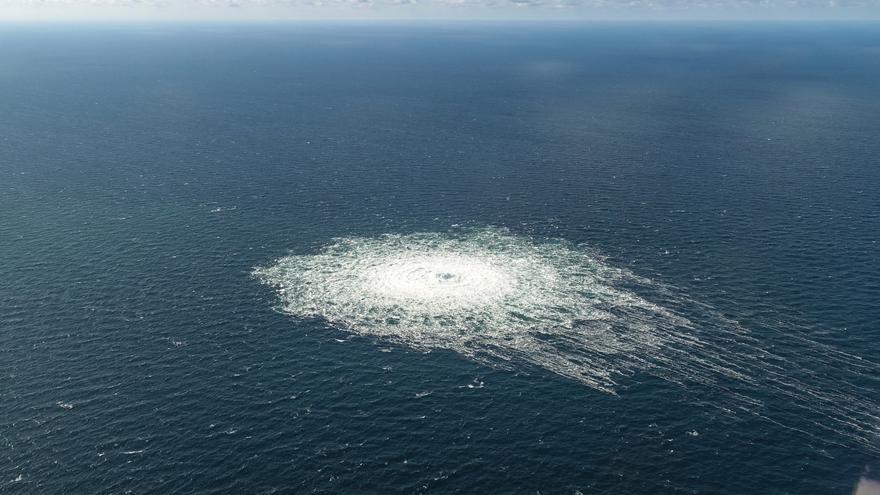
x: 439, y: 19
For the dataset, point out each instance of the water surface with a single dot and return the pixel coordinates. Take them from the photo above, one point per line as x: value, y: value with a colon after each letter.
x: 147, y: 170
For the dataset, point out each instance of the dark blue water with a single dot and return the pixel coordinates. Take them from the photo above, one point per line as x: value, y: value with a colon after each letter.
x: 146, y: 170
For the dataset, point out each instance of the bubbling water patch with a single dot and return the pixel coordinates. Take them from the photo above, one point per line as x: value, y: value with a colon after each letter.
x: 444, y: 281
x: 507, y: 300
x: 485, y: 294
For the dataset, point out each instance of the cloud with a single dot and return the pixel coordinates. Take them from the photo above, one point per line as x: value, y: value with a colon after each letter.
x: 856, y: 9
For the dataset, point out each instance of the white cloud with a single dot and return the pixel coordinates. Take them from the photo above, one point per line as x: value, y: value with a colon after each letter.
x: 231, y: 9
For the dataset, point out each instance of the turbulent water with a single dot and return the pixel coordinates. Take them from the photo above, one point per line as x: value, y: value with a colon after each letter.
x: 505, y: 300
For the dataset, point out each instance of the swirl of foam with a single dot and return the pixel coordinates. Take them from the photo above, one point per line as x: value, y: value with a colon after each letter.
x: 503, y: 299
x: 485, y: 294
x: 441, y: 279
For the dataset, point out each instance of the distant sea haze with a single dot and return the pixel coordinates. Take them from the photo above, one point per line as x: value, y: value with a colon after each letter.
x: 439, y: 258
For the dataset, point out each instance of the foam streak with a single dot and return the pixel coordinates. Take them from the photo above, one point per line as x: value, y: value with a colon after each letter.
x: 507, y: 300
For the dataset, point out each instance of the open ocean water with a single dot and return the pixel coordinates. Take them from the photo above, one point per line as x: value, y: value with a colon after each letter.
x: 655, y: 249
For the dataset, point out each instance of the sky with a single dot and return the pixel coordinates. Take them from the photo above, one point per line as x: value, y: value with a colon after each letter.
x: 439, y: 9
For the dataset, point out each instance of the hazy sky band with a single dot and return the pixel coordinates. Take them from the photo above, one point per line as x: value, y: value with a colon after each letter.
x: 426, y: 9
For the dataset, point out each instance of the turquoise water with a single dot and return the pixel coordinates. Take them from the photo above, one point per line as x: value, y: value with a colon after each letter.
x: 655, y: 249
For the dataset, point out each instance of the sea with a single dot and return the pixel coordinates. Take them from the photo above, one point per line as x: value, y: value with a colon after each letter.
x: 657, y: 248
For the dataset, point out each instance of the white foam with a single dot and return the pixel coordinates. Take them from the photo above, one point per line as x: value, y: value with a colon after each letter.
x: 482, y: 293
x: 508, y: 300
